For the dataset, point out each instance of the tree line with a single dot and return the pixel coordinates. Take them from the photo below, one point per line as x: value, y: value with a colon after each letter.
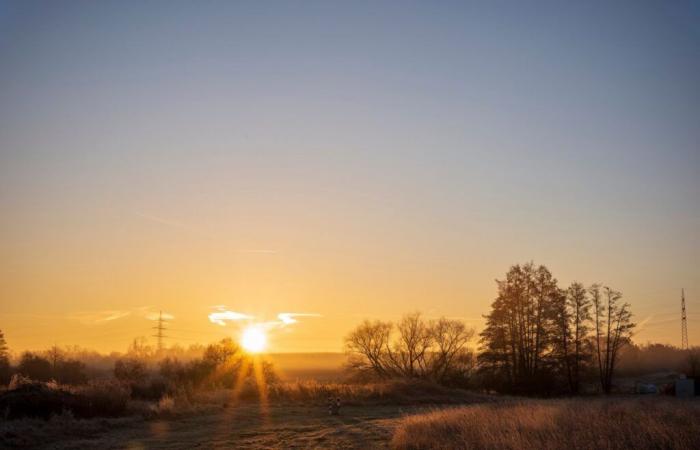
x: 539, y: 338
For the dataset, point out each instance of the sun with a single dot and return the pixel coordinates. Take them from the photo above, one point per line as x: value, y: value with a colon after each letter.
x: 253, y: 339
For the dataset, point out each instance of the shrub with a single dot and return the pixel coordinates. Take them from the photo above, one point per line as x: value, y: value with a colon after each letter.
x: 28, y: 398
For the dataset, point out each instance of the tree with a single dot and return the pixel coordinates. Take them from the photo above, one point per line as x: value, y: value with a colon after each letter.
x: 562, y: 343
x: 5, y: 369
x: 35, y: 367
x: 521, y: 327
x: 222, y: 352
x: 408, y: 353
x: 55, y: 355
x: 613, y: 330
x: 367, y: 345
x: 570, y: 346
x: 3, y: 346
x: 579, y: 314
x: 414, y: 348
x: 451, y: 357
x: 129, y: 370
x: 70, y: 371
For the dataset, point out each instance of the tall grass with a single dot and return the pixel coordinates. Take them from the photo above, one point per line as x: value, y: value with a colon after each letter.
x: 652, y: 423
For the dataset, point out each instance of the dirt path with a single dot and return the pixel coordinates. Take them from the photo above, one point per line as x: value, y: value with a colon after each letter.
x: 247, y: 427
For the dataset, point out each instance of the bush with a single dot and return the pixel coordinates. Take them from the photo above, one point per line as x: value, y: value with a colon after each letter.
x: 129, y: 370
x: 42, y: 400
x: 152, y: 390
x: 35, y: 367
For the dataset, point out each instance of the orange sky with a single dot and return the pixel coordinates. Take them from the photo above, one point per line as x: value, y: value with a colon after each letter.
x: 349, y: 161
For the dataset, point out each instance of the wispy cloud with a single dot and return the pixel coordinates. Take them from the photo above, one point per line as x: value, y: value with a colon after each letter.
x: 223, y: 315
x: 641, y: 325
x: 110, y: 315
x: 97, y: 317
x: 289, y: 318
x: 157, y: 315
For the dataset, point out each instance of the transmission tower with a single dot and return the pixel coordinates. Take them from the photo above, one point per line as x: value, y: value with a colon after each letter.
x: 684, y: 323
x: 160, y: 328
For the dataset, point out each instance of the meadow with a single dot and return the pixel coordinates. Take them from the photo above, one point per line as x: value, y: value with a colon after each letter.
x: 399, y: 415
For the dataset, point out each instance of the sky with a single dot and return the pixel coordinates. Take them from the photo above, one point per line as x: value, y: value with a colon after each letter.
x: 346, y: 160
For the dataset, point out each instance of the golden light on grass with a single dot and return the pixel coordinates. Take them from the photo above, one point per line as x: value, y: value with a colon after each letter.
x: 253, y: 339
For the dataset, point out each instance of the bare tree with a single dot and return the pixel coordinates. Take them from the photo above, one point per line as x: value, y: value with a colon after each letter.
x: 408, y: 353
x: 579, y: 306
x: 55, y: 355
x: 613, y: 329
x: 367, y: 345
x: 450, y: 338
x: 415, y: 348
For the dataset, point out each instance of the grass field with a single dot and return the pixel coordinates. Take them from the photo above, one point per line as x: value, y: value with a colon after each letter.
x: 378, y: 418
x: 615, y: 423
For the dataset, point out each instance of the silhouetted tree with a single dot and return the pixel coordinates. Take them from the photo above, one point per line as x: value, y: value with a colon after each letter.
x: 451, y: 358
x: 408, y: 353
x: 521, y: 327
x: 35, y: 367
x: 129, y: 370
x: 3, y: 346
x: 5, y: 368
x: 70, y: 371
x: 435, y: 350
x: 580, y: 305
x: 574, y: 318
x: 222, y: 351
x: 613, y: 330
x: 368, y: 345
x: 55, y: 356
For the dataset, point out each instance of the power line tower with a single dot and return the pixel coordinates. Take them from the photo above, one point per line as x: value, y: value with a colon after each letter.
x: 684, y: 323
x: 160, y: 328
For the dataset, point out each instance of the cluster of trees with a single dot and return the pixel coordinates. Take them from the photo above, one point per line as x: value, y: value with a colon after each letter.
x: 539, y: 337
x: 412, y: 348
x: 223, y: 364
x: 638, y: 360
x: 147, y: 372
x: 50, y: 365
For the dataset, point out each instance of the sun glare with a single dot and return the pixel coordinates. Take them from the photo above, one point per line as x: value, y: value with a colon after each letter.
x: 253, y: 339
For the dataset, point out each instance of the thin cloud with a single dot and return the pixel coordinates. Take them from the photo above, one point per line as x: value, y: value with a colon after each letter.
x: 158, y: 315
x: 289, y: 318
x: 110, y: 315
x: 223, y: 315
x: 97, y: 317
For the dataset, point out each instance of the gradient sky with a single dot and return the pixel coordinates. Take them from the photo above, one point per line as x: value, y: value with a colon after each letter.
x: 353, y: 160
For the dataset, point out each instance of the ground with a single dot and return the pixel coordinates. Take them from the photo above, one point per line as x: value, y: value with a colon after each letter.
x: 246, y: 427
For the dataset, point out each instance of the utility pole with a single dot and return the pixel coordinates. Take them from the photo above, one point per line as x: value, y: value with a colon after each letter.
x: 684, y: 323
x: 160, y: 328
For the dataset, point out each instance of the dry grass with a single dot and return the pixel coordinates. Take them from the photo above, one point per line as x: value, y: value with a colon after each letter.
x: 396, y: 392
x: 651, y: 423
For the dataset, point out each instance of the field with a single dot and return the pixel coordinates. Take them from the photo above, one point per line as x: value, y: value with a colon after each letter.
x: 376, y: 418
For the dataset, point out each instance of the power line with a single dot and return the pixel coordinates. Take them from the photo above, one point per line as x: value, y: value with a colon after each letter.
x: 684, y: 323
